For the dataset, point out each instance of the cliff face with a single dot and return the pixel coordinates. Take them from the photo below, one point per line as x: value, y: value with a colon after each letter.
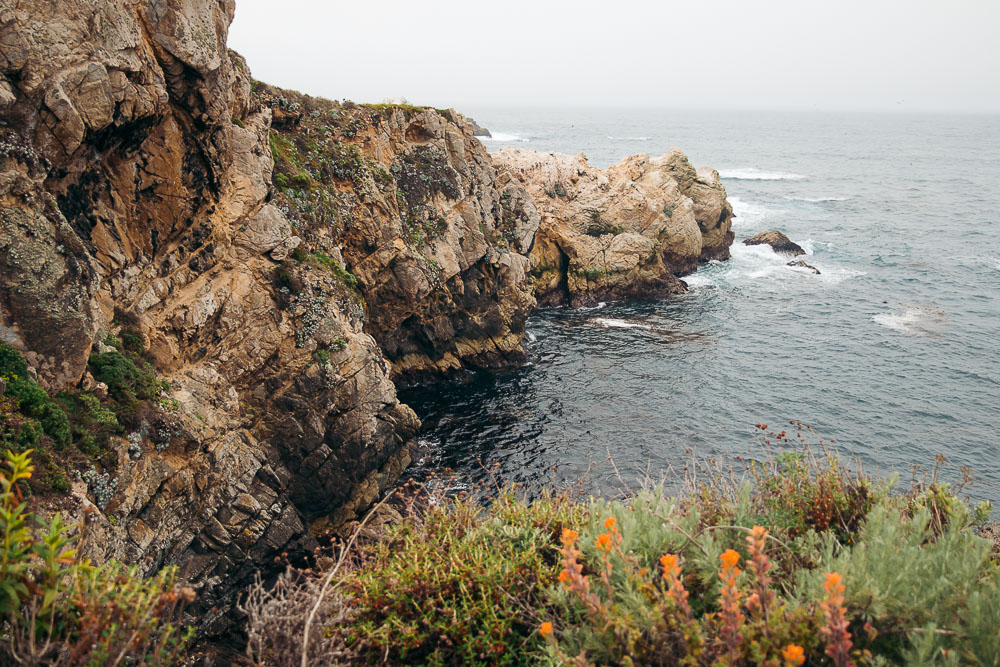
x: 265, y: 265
x: 407, y: 201
x: 135, y: 177
x: 624, y: 232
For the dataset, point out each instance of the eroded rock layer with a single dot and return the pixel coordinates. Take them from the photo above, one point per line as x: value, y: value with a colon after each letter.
x: 406, y: 202
x: 136, y: 174
x: 624, y: 232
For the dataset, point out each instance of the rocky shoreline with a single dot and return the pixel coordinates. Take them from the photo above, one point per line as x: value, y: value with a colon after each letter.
x: 282, y: 261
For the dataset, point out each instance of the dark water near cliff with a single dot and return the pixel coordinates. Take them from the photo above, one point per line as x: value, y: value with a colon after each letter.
x: 894, y: 351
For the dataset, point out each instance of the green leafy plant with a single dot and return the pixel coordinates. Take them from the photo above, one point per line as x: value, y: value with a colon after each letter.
x: 59, y: 610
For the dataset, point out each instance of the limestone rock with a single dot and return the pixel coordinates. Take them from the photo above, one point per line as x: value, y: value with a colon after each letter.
x: 778, y: 242
x: 624, y: 232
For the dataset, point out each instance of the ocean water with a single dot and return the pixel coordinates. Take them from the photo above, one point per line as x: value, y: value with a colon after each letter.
x: 893, y: 352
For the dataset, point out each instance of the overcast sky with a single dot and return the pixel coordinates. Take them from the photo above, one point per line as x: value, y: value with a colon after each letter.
x: 916, y: 55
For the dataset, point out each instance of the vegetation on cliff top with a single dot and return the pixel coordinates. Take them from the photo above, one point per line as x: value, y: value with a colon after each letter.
x: 323, y: 180
x: 805, y: 562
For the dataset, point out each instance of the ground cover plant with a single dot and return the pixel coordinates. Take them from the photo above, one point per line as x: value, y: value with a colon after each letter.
x: 801, y: 560
x: 58, y: 609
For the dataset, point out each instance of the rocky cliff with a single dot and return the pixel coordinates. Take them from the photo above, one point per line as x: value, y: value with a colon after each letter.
x: 137, y: 205
x: 218, y: 282
x: 407, y: 202
x: 624, y: 232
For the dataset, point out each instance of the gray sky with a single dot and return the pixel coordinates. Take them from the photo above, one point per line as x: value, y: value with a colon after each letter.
x: 916, y: 55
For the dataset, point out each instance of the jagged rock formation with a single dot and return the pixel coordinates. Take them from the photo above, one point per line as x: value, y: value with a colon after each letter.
x: 406, y: 201
x: 624, y: 232
x: 478, y: 129
x: 139, y: 199
x: 778, y: 242
x: 802, y: 265
x: 134, y: 185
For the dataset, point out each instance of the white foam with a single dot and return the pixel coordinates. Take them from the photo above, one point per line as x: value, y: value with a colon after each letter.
x: 698, y: 280
x: 760, y: 263
x: 752, y: 174
x: 612, y: 323
x: 531, y: 337
x: 600, y: 304
x: 503, y: 137
x: 924, y: 319
x: 818, y: 200
x: 748, y: 214
x: 629, y: 138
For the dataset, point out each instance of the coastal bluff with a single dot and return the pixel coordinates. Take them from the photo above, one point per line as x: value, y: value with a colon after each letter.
x: 278, y: 262
x: 628, y: 231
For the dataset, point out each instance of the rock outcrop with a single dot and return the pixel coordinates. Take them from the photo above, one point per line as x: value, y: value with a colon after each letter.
x: 802, y: 265
x: 478, y: 129
x: 778, y: 242
x: 135, y: 174
x: 406, y: 202
x: 625, y: 232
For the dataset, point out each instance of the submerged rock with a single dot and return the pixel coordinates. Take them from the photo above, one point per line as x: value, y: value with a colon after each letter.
x: 625, y: 232
x: 799, y: 263
x: 778, y: 242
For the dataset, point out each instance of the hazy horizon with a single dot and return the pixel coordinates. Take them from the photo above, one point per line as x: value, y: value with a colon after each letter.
x: 923, y: 56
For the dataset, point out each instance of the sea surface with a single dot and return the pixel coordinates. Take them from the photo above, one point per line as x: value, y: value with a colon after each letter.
x: 893, y: 352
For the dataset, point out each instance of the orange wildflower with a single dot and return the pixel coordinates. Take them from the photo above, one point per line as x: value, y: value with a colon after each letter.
x: 793, y: 655
x: 569, y: 536
x: 609, y: 523
x: 836, y: 633
x: 670, y: 567
x: 545, y: 629
x: 729, y: 558
x: 564, y: 576
x: 603, y: 542
x: 833, y: 583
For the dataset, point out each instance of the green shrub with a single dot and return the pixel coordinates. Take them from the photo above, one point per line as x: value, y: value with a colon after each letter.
x: 57, y: 609
x: 450, y: 588
x: 33, y: 401
x: 129, y: 379
x: 805, y: 561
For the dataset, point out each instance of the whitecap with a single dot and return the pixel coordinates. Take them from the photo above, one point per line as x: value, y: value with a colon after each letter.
x: 600, y: 304
x: 503, y: 137
x: 697, y: 280
x: 612, y: 323
x: 748, y: 214
x: 924, y: 319
x: 818, y: 200
x: 629, y: 138
x: 752, y: 174
x: 531, y: 337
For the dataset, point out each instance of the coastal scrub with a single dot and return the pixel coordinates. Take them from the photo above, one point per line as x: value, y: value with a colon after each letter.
x: 805, y: 561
